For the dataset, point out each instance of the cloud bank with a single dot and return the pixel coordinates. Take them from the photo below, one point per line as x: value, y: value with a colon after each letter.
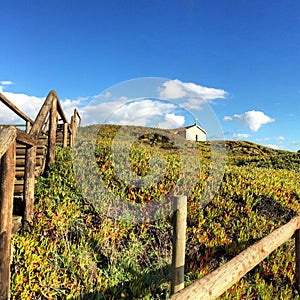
x: 191, y: 94
x: 254, y: 119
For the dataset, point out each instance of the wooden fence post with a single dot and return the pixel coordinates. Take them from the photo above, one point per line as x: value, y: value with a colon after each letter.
x: 65, y: 135
x: 52, y: 132
x: 29, y: 178
x: 28, y: 127
x: 179, y: 233
x: 72, y: 132
x: 8, y: 163
x: 297, y: 249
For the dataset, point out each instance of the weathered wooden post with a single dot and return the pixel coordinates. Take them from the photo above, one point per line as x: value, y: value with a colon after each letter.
x: 7, y: 173
x: 73, y: 129
x: 29, y: 185
x: 28, y: 127
x: 297, y: 249
x: 65, y: 135
x: 179, y: 233
x: 52, y: 132
x: 71, y: 126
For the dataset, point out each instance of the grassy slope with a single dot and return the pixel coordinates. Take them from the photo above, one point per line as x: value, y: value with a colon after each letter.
x: 76, y: 252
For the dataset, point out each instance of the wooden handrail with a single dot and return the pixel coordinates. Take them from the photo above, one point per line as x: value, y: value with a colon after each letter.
x: 7, y: 178
x: 15, y: 109
x: 216, y: 283
x: 60, y: 110
x: 42, y: 115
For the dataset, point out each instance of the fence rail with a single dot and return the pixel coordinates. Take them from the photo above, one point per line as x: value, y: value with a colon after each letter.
x: 216, y: 283
x: 24, y: 156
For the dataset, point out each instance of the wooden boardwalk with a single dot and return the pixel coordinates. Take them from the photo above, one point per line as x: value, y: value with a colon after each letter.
x: 25, y: 151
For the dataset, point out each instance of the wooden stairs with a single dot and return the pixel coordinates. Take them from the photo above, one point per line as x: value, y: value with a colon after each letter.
x: 64, y: 134
x: 24, y: 156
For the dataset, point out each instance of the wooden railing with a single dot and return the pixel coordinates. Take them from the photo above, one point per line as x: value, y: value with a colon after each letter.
x: 216, y: 283
x: 25, y: 149
x: 7, y: 178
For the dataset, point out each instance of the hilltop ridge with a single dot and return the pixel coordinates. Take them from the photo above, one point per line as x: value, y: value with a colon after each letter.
x: 238, y: 152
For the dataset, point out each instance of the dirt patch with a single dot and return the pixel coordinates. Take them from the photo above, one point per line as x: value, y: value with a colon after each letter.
x: 273, y: 210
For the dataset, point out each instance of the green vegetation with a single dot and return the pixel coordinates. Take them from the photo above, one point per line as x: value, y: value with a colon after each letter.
x: 75, y: 251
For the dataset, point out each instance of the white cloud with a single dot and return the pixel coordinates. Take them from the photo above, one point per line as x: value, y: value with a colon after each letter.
x: 145, y: 112
x: 296, y: 143
x: 273, y: 146
x: 3, y: 84
x: 277, y: 138
x: 254, y: 119
x: 194, y: 95
x: 6, y: 82
x: 240, y: 136
x: 172, y: 121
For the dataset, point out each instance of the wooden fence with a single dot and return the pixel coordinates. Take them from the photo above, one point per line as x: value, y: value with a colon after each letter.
x: 216, y: 283
x: 24, y: 156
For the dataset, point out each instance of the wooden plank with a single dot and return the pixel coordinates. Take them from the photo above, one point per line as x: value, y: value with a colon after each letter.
x: 40, y: 151
x: 7, y: 136
x: 15, y: 109
x: 52, y: 133
x: 20, y: 162
x: 25, y: 138
x: 6, y: 208
x: 216, y: 283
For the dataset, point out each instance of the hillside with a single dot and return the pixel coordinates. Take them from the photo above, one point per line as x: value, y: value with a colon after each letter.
x: 75, y: 251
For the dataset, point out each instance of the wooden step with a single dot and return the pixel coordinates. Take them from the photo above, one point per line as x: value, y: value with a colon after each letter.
x: 39, y: 151
x: 20, y: 162
x: 19, y: 186
x: 21, y: 173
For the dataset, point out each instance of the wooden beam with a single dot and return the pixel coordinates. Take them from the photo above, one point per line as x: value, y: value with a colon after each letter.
x: 25, y: 138
x: 216, y: 283
x: 42, y: 115
x: 6, y: 208
x: 7, y: 136
x: 61, y: 112
x: 15, y: 109
x: 52, y: 132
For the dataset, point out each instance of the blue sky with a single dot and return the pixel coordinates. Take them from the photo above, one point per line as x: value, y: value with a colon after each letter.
x: 246, y: 53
